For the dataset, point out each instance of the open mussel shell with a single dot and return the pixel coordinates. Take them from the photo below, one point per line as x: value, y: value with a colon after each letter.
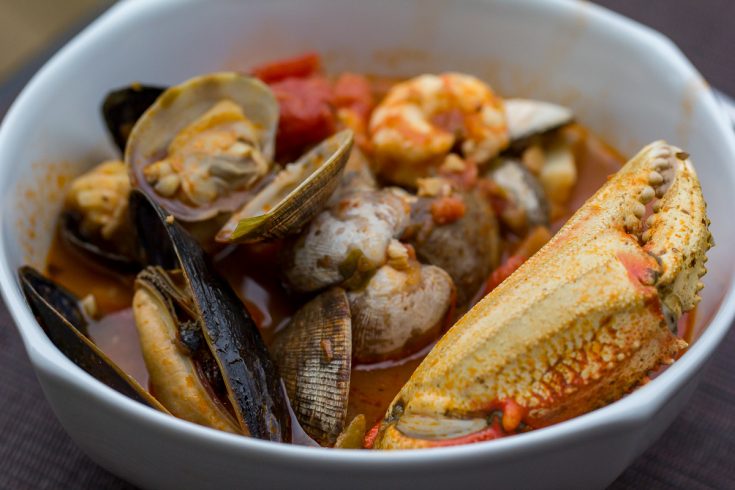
x: 122, y: 108
x: 182, y: 104
x: 294, y: 197
x: 59, y: 314
x: 107, y: 254
x: 252, y: 383
x: 314, y: 356
x: 527, y: 118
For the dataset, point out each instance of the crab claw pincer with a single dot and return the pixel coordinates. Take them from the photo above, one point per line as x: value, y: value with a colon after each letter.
x: 577, y: 326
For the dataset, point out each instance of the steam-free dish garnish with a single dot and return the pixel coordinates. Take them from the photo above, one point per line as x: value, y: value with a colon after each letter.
x: 361, y: 262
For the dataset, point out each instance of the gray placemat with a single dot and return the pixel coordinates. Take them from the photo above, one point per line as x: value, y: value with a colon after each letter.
x: 695, y: 452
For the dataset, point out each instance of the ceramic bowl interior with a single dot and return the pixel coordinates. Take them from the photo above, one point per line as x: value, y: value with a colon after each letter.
x: 625, y: 82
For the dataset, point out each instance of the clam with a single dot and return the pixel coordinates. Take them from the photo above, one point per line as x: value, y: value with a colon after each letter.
x: 181, y: 300
x: 95, y: 221
x: 346, y: 242
x: 527, y: 205
x: 402, y: 308
x: 122, y: 108
x: 468, y: 248
x: 527, y: 118
x: 294, y: 197
x: 203, y: 146
x: 59, y: 313
x: 314, y: 356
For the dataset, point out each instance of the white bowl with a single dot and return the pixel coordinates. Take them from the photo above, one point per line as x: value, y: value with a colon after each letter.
x: 629, y: 84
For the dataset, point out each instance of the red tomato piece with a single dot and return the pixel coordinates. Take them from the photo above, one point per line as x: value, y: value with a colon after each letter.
x: 306, y: 113
x: 299, y: 67
x: 354, y: 92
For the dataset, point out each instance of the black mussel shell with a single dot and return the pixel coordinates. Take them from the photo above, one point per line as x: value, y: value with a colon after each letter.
x: 122, y: 108
x: 57, y: 311
x: 108, y: 254
x: 252, y: 381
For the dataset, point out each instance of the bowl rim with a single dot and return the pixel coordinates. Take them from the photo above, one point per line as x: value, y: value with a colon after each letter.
x: 640, y: 405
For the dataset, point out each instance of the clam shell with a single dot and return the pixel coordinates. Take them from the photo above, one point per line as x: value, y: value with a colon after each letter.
x: 180, y: 105
x: 468, y: 249
x: 58, y: 313
x: 294, y: 197
x: 525, y: 191
x: 314, y: 356
x: 528, y: 117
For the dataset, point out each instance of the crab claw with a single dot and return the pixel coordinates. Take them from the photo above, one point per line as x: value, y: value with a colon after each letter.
x: 578, y: 325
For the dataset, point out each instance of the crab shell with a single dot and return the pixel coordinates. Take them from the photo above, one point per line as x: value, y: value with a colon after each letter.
x: 578, y: 325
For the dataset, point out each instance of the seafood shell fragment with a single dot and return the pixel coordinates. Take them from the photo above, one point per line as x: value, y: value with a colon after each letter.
x: 314, y: 357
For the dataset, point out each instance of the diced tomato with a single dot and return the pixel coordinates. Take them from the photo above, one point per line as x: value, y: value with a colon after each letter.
x: 445, y: 210
x: 354, y: 92
x: 503, y: 272
x: 298, y: 67
x: 306, y: 113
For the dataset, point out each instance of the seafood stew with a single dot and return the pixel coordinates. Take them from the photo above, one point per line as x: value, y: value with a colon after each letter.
x: 281, y: 250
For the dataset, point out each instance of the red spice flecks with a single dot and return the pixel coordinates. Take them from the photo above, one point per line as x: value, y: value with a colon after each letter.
x: 449, y: 209
x: 299, y: 66
x: 370, y: 436
x: 503, y: 272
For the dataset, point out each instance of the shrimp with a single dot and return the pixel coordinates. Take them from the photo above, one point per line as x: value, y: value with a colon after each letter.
x: 423, y: 119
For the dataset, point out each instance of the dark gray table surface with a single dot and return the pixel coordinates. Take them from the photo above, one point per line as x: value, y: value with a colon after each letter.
x: 696, y: 451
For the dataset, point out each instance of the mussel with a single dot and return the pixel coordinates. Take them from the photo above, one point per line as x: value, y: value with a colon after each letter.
x: 122, y: 108
x: 467, y: 248
x: 314, y: 356
x: 294, y: 197
x: 182, y: 300
x: 204, y: 145
x: 59, y: 314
